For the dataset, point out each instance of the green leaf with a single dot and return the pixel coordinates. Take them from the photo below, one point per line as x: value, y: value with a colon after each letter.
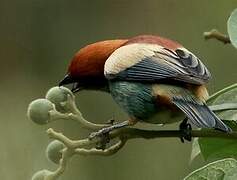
x: 224, y: 103
x: 225, y: 169
x: 232, y: 27
x: 195, y: 149
x: 218, y: 148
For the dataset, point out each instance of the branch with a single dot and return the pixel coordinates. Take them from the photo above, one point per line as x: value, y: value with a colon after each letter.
x: 215, y: 34
x: 133, y: 133
x: 106, y: 152
x: 100, y: 145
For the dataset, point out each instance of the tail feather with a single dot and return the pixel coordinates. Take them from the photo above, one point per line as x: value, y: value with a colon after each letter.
x: 199, y: 113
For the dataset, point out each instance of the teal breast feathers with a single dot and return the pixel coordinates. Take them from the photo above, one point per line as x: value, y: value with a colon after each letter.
x: 138, y: 101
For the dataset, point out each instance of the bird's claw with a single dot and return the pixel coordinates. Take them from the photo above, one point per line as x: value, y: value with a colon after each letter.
x: 185, y: 129
x: 104, y: 132
x: 110, y: 121
x: 104, y: 135
x: 101, y: 133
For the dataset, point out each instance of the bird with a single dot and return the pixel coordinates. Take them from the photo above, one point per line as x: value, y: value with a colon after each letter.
x: 152, y: 78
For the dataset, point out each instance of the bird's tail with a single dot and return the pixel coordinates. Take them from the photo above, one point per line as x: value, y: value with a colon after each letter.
x: 199, y: 113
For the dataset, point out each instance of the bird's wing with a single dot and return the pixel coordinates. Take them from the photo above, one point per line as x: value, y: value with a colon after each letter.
x: 153, y: 63
x: 199, y: 113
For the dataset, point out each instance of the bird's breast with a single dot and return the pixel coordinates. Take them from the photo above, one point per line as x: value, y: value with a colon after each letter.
x: 141, y: 101
x: 134, y: 98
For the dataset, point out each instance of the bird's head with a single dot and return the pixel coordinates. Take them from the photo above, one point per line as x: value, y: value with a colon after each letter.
x: 86, y: 70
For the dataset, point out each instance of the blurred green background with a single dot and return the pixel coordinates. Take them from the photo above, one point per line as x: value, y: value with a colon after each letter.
x: 38, y: 39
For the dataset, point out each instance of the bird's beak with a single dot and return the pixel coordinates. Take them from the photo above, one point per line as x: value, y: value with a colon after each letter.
x: 66, y: 80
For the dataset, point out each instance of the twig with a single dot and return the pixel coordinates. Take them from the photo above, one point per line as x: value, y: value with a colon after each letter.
x: 119, y: 136
x: 75, y: 147
x: 66, y: 156
x: 106, y: 152
x: 133, y: 133
x: 215, y: 34
x: 76, y: 115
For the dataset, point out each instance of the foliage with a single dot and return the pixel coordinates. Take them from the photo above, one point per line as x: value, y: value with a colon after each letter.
x: 224, y: 103
x: 232, y: 28
x: 220, y: 170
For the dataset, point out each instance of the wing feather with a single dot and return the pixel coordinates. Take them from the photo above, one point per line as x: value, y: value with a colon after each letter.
x: 152, y: 63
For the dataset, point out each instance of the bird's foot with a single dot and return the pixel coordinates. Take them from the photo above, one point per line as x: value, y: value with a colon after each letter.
x: 185, y: 129
x: 111, y: 121
x: 101, y: 133
x: 105, y: 131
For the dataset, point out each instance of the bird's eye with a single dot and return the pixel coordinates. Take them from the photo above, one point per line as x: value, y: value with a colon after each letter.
x: 181, y: 53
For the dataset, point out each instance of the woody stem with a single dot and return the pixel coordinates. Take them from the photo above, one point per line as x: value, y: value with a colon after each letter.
x: 215, y: 34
